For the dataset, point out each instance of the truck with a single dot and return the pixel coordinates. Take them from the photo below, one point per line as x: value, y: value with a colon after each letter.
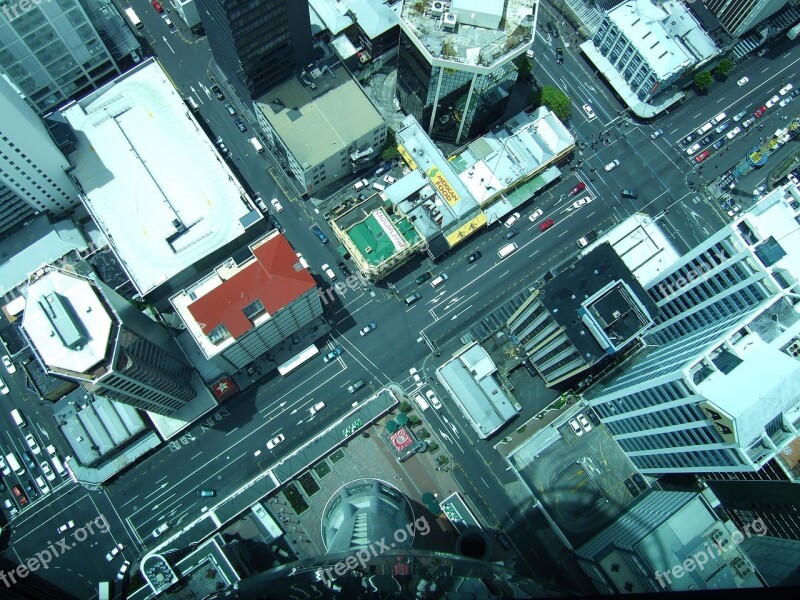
x: 104, y: 591
x: 587, y: 239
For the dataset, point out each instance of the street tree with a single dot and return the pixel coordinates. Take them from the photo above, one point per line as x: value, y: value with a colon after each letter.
x: 703, y: 80
x: 554, y: 99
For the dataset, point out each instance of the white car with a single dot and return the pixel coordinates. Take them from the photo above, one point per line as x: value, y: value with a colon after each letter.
x: 303, y: 261
x: 582, y: 202
x: 4, y: 467
x: 9, y: 365
x: 329, y: 272
x: 577, y: 429
x: 42, y: 485
x: 793, y: 178
x: 703, y: 129
x: 32, y: 444
x: 511, y: 220
x: 48, y: 472
x: 66, y: 526
x: 693, y: 148
x: 433, y: 399
x: 275, y: 441
x: 276, y: 205
x: 536, y: 214
x: 734, y: 132
x: 742, y: 81
x: 786, y: 89
x: 389, y: 179
x: 589, y: 112
x: 123, y: 569
x: 316, y: 408
x: 772, y: 101
x: 784, y: 102
x: 612, y: 165
x: 3, y: 387
x: 584, y: 423
x: 156, y: 532
x: 415, y: 376
x: 734, y: 211
x: 114, y: 551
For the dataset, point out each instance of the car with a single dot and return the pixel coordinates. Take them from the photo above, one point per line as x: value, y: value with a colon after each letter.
x: 161, y: 529
x: 32, y: 493
x: 734, y: 210
x: 473, y: 257
x: 704, y: 128
x: 693, y: 148
x: 584, y: 423
x: 66, y: 526
x: 718, y: 144
x: 582, y: 202
x: 123, y: 569
x: 275, y: 223
x: 344, y: 269
x: 511, y: 233
x: 362, y: 196
x: 559, y: 56
x: 536, y: 214
x: 747, y: 122
x: 326, y: 268
x: 786, y: 89
x: 415, y: 376
x: 157, y: 6
x: 688, y: 139
x: 762, y: 52
x: 760, y: 189
x: 734, y: 132
x: 722, y: 127
x: 760, y: 112
x: 261, y: 204
x: 702, y: 156
x: 220, y: 144
x: 511, y: 220
x: 612, y: 165
x: 113, y: 552
x: 19, y: 495
x: 217, y: 92
x: 4, y: 467
x: 545, y: 225
x: 793, y: 178
x: 9, y: 365
x: 42, y: 485
x: 706, y: 140
x: 426, y: 276
x: 656, y: 134
x: 631, y: 487
x: 333, y: 354
x: 3, y: 387
x: 275, y: 441
x: 276, y: 205
x: 32, y: 443
x: 742, y: 81
x: 739, y: 116
x: 240, y: 124
x: 389, y: 179
x: 785, y: 101
x: 29, y: 461
x: 412, y: 298
x: 170, y: 25
x: 795, y: 93
x: 639, y: 481
x: 593, y: 417
x: 578, y: 188
x: 437, y: 281
x: 356, y: 386
x: 205, y: 493
x: 589, y: 112
x: 772, y: 101
x: 433, y: 399
x: 318, y: 232
x: 48, y: 472
x: 576, y: 429
x: 367, y: 329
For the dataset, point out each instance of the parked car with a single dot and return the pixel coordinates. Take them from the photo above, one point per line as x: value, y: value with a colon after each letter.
x: 578, y: 188
x: 706, y: 140
x: 433, y: 399
x: 747, y: 122
x: 702, y: 156
x: 693, y: 148
x: 9, y: 365
x: 344, y: 269
x: 786, y: 89
x: 275, y: 441
x: 760, y: 112
x: 785, y: 101
x: 123, y: 569
x: 584, y: 423
x: 369, y: 328
x: 511, y: 220
x: 426, y: 276
x: 612, y: 165
x: 688, y: 139
x: 48, y: 472
x: 772, y: 101
x: 168, y: 22
x: 276, y: 205
x: 734, y: 132
x: 718, y: 144
x: 722, y: 127
x: 3, y: 387
x: 42, y: 485
x: 631, y: 487
x: 240, y: 124
x: 333, y: 354
x: 593, y: 417
x: 326, y: 268
x: 322, y: 237
x: 576, y: 428
x: 32, y: 443
x: 639, y: 481
x: 113, y: 552
x: 739, y: 116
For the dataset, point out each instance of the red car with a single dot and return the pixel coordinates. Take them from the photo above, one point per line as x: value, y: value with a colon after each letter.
x: 545, y: 225
x: 760, y: 112
x: 578, y: 188
x: 157, y: 6
x: 702, y: 156
x: 20, y: 495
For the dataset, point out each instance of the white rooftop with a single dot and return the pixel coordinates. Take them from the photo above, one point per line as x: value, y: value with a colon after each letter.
x: 67, y: 322
x: 145, y: 167
x: 332, y: 14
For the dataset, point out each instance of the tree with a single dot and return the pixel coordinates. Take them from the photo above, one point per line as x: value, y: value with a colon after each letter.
x: 554, y: 99
x: 703, y: 80
x: 724, y: 67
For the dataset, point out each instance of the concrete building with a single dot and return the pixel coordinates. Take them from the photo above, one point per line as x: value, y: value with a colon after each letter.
x: 33, y: 171
x: 455, y: 67
x: 694, y: 398
x: 739, y: 16
x: 54, y: 51
x: 187, y: 9
x: 669, y: 541
x: 258, y: 44
x: 359, y: 30
x: 322, y: 125
x: 189, y: 211
x: 83, y: 331
x: 642, y: 47
x: 250, y: 303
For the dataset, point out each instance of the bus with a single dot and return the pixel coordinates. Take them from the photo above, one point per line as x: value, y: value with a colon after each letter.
x: 133, y: 18
x: 297, y: 360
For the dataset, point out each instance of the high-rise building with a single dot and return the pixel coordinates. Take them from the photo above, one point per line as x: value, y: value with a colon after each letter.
x: 715, y: 386
x: 739, y: 16
x: 33, y: 171
x: 257, y: 43
x: 83, y: 331
x: 456, y: 62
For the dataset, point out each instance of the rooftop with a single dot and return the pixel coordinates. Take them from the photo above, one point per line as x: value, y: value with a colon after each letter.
x: 319, y: 114
x: 331, y: 14
x: 470, y: 32
x: 374, y: 17
x: 243, y: 292
x: 142, y: 187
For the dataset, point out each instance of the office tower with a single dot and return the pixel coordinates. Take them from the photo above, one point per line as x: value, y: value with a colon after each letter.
x: 83, y: 331
x: 257, y: 43
x: 455, y: 66
x: 53, y: 51
x: 715, y: 386
x: 738, y: 16
x: 33, y: 171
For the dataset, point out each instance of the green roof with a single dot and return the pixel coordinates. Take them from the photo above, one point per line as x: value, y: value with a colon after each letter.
x: 369, y: 234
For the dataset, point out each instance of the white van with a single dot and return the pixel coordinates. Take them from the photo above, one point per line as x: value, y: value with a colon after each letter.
x: 12, y: 461
x: 507, y: 250
x: 439, y: 280
x: 256, y: 145
x: 17, y: 416
x: 192, y: 104
x: 360, y: 184
x: 719, y: 118
x: 421, y: 402
x: 57, y: 465
x: 378, y: 186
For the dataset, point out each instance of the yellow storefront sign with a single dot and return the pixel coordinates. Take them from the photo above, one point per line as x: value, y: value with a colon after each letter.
x: 466, y: 230
x: 445, y: 189
x: 406, y: 157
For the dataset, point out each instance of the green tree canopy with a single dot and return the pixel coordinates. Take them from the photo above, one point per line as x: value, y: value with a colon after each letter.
x: 725, y: 66
x: 554, y: 99
x: 703, y: 80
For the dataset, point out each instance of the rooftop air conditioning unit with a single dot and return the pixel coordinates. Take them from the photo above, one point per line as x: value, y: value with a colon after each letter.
x: 437, y: 9
x: 449, y: 21
x: 368, y: 249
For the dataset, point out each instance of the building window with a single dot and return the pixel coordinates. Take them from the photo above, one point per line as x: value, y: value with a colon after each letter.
x: 254, y: 310
x: 219, y: 334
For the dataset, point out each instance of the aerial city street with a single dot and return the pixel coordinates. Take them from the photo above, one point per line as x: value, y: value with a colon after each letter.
x: 398, y: 298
